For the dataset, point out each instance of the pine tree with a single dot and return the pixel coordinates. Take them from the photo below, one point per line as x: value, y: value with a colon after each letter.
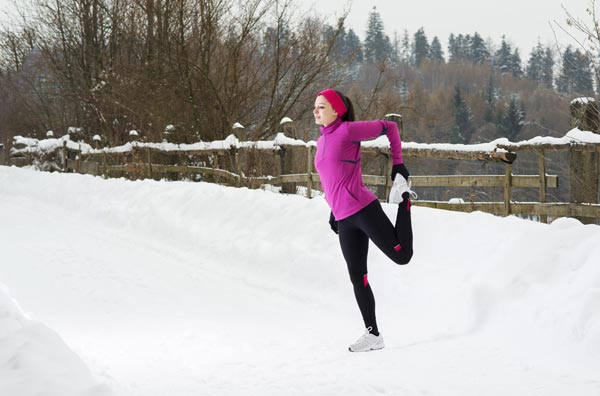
x: 503, y: 58
x: 583, y: 78
x: 405, y: 48
x: 463, y: 119
x: 478, y: 49
x: 548, y: 68
x: 458, y: 48
x: 576, y: 73
x: 512, y: 120
x: 353, y: 47
x: 490, y: 101
x: 452, y: 48
x: 377, y: 43
x: 337, y: 51
x: 535, y: 64
x: 436, y: 53
x: 565, y: 82
x: 515, y: 64
x: 422, y: 49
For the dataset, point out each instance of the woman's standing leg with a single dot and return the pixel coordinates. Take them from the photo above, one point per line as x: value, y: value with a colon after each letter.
x: 355, y: 246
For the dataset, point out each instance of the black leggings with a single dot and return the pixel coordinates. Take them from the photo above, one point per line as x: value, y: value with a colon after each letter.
x: 395, y: 241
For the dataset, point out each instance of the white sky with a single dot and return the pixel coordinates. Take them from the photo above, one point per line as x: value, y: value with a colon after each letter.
x: 524, y: 22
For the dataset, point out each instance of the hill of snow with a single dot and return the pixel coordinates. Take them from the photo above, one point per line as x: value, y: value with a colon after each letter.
x: 173, y: 288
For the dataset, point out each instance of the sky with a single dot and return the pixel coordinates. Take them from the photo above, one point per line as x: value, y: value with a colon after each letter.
x: 523, y: 22
x: 110, y: 287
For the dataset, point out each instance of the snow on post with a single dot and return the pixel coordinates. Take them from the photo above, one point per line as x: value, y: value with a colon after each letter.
x: 287, y: 126
x: 584, y: 114
x: 239, y: 131
x: 397, y: 118
x: 75, y: 134
x: 133, y: 135
x: 97, y: 140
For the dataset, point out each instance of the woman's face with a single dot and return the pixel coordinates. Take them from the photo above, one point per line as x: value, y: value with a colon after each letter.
x: 324, y: 112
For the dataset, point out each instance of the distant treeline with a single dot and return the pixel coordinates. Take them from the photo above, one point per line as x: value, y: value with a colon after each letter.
x: 199, y: 66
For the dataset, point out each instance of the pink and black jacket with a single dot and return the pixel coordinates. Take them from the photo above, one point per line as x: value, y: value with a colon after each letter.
x: 338, y: 162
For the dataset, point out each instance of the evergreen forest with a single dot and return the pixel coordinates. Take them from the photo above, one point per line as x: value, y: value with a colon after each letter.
x: 196, y: 67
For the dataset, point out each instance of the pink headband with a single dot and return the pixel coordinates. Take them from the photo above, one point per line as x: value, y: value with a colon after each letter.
x: 335, y: 100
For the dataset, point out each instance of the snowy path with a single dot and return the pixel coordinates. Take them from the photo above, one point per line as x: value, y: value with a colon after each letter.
x: 186, y: 289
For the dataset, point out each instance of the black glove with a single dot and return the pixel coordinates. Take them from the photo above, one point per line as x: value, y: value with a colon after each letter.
x: 333, y: 223
x: 400, y: 168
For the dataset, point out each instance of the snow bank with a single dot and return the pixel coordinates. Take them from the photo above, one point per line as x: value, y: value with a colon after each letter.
x: 231, y: 291
x: 35, y: 361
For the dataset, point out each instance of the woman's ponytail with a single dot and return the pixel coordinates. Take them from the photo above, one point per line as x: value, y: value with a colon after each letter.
x: 349, y: 115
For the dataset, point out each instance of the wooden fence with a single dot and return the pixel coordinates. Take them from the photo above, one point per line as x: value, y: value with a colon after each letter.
x: 279, y: 170
x: 289, y: 166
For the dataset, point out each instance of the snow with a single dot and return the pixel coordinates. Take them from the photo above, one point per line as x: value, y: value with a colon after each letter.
x: 173, y: 288
x: 583, y: 100
x: 30, y: 145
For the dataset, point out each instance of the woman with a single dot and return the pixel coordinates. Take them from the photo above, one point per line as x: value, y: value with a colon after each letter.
x: 356, y: 214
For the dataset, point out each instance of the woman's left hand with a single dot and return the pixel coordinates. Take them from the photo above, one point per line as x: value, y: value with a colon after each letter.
x: 400, y: 168
x: 333, y: 223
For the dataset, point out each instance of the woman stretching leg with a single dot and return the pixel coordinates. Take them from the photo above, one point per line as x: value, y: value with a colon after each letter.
x: 356, y: 214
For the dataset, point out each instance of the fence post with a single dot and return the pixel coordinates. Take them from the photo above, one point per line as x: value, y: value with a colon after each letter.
x: 149, y: 163
x: 65, y: 157
x: 233, y: 155
x: 507, y: 188
x: 309, y: 167
x: 543, y: 181
x: 584, y: 167
x: 2, y: 155
x: 286, y: 158
x: 78, y: 160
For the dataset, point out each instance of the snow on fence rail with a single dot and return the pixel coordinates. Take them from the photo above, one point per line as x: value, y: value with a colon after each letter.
x: 288, y: 162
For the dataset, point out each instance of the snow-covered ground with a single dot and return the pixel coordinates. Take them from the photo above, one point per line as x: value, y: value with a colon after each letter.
x: 112, y: 287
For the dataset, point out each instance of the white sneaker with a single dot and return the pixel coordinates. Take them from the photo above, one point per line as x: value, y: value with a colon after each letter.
x: 399, y: 187
x: 367, y: 342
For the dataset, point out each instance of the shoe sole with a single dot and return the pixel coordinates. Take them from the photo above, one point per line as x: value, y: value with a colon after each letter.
x: 367, y: 350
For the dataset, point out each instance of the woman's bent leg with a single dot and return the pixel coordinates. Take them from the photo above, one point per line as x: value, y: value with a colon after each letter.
x: 395, y: 242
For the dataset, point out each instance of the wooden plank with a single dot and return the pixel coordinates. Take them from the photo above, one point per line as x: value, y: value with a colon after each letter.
x: 294, y: 178
x: 481, y: 181
x: 496, y: 208
x: 557, y: 209
x: 373, y: 180
x: 594, y: 147
x: 139, y: 167
x: 518, y: 208
x: 498, y: 156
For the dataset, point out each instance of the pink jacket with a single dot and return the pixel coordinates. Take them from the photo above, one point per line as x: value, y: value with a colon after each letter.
x: 338, y: 162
